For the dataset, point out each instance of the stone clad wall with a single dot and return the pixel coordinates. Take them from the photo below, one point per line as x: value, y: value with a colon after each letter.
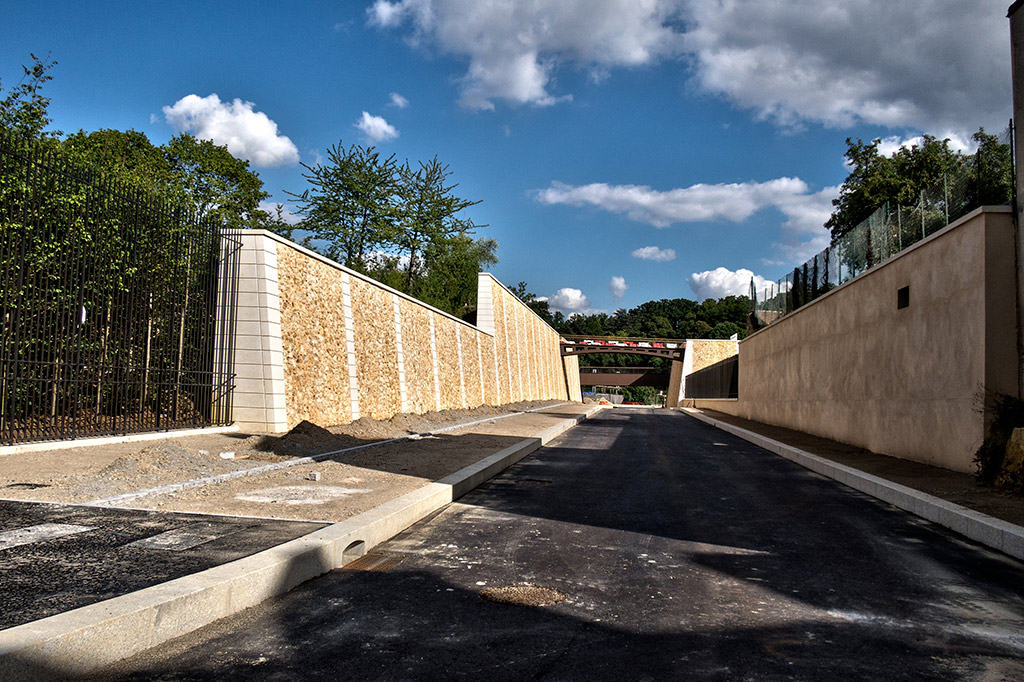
x: 352, y: 347
x: 706, y: 352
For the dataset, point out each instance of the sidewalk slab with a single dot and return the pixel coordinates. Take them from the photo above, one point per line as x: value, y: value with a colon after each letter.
x: 992, y: 532
x: 82, y: 640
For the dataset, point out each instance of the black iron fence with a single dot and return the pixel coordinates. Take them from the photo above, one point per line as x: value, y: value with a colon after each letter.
x: 720, y: 380
x: 109, y: 299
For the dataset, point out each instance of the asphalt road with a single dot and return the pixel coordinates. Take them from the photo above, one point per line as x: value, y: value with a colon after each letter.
x: 682, y: 553
x: 56, y: 557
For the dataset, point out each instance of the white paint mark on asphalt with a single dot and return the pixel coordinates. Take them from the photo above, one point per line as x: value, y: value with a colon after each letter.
x: 187, y: 537
x: 299, y: 494
x: 44, y: 531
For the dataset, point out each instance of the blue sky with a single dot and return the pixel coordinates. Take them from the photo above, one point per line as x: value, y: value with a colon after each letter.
x: 622, y: 150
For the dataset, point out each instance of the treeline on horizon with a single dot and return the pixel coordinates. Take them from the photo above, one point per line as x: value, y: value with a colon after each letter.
x: 669, y: 318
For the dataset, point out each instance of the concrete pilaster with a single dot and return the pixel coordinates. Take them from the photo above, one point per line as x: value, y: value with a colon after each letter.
x: 259, y: 397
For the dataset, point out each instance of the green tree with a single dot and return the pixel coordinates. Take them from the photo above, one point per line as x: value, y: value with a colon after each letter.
x: 428, y: 214
x: 453, y: 265
x: 24, y: 111
x: 216, y: 183
x: 128, y: 156
x: 646, y: 395
x: 351, y: 206
x: 899, y: 179
x: 994, y: 164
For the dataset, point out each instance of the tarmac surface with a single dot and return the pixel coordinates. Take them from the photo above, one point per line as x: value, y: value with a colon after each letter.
x: 91, y: 554
x: 642, y: 545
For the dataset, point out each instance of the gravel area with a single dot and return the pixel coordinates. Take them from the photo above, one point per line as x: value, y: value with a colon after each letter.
x: 336, y: 487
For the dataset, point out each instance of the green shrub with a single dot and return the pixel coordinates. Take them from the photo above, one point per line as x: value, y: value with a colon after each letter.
x: 1009, y: 415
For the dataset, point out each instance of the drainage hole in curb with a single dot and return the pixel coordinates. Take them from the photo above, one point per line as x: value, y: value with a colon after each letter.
x: 525, y: 594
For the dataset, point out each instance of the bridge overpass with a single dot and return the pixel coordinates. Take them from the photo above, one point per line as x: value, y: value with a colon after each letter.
x: 671, y: 349
x: 624, y: 376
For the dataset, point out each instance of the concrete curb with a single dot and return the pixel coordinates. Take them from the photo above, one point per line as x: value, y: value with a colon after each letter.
x: 82, y: 640
x: 112, y: 440
x: 987, y: 530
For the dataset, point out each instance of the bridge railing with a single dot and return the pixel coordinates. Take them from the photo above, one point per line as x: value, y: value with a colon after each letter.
x: 623, y: 370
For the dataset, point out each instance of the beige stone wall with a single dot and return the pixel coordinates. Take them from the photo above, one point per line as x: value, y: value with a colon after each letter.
x: 706, y: 352
x: 353, y: 348
x: 853, y: 367
x: 417, y: 355
x: 314, y: 347
x: 571, y: 378
x: 376, y: 350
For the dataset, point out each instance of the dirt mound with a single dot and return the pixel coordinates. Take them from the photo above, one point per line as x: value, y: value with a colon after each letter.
x: 306, y: 438
x: 151, y: 466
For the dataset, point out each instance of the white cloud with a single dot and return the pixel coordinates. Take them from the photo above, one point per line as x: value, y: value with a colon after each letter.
x: 376, y: 128
x: 569, y: 300
x: 399, y: 101
x: 734, y: 202
x: 928, y: 64
x: 618, y: 287
x: 655, y: 253
x: 722, y: 282
x: 514, y: 48
x: 806, y: 212
x: 247, y: 134
x: 922, y: 64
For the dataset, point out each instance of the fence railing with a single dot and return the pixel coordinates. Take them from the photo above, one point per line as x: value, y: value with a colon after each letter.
x: 720, y: 380
x: 109, y: 300
x: 886, y: 232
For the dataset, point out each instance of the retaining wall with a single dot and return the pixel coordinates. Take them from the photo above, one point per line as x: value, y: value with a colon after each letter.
x: 318, y: 341
x: 912, y: 381
x: 700, y: 353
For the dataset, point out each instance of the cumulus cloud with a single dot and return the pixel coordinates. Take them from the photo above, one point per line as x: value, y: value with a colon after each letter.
x: 842, y: 63
x: 722, y: 282
x: 734, y: 202
x: 248, y: 134
x: 618, y: 287
x: 376, y: 128
x: 569, y: 300
x: 399, y: 101
x: 916, y: 64
x: 803, y: 230
x: 655, y: 253
x: 514, y: 48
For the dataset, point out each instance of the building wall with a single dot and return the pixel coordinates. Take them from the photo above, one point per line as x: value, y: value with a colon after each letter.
x: 908, y: 382
x: 346, y: 346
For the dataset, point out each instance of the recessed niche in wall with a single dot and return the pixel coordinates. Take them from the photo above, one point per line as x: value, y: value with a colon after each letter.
x: 903, y: 298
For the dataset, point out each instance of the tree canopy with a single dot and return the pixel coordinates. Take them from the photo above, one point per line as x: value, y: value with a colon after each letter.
x: 399, y: 223
x: 24, y: 110
x: 670, y: 318
x: 899, y: 179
